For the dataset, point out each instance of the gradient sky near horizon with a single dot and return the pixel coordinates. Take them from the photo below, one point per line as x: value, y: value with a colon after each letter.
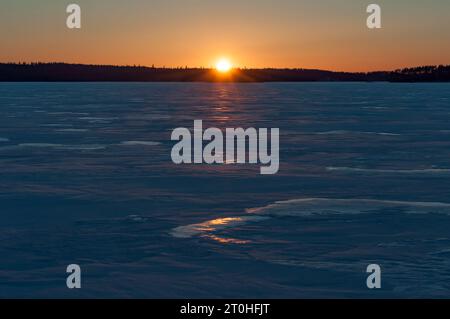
x: 323, y: 34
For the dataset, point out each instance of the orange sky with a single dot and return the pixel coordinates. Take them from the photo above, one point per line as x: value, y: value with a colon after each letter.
x: 324, y: 34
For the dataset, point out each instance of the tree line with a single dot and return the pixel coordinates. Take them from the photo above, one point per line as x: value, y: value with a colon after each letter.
x: 64, y: 72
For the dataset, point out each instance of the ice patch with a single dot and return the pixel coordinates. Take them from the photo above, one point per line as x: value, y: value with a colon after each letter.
x: 68, y: 113
x: 73, y: 130
x: 390, y: 171
x: 4, y: 139
x: 137, y: 218
x: 305, y: 207
x: 329, y: 206
x: 44, y: 145
x: 143, y: 143
x: 63, y: 146
x: 56, y: 125
x: 87, y: 147
x: 356, y: 132
x: 148, y: 117
x: 208, y: 227
x: 99, y: 120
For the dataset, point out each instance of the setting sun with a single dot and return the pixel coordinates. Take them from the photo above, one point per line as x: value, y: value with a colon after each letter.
x: 223, y: 65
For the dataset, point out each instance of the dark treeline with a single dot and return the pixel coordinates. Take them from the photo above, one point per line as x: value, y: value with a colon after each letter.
x: 431, y: 73
x: 63, y: 72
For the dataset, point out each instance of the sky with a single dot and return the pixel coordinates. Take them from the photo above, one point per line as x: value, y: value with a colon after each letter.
x: 319, y: 34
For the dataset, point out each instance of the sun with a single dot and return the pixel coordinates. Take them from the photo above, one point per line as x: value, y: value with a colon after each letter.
x: 223, y: 65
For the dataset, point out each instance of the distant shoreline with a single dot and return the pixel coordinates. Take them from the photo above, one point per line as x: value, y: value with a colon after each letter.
x: 64, y: 72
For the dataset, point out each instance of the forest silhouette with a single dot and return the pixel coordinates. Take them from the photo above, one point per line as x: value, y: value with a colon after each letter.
x: 64, y: 72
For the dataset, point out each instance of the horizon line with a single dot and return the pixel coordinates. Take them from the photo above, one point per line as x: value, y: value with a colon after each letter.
x: 213, y: 68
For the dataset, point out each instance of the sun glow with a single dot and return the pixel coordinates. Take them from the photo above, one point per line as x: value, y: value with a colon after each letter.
x: 223, y: 65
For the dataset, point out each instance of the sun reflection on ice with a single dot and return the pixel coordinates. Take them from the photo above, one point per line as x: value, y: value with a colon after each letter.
x: 206, y: 229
